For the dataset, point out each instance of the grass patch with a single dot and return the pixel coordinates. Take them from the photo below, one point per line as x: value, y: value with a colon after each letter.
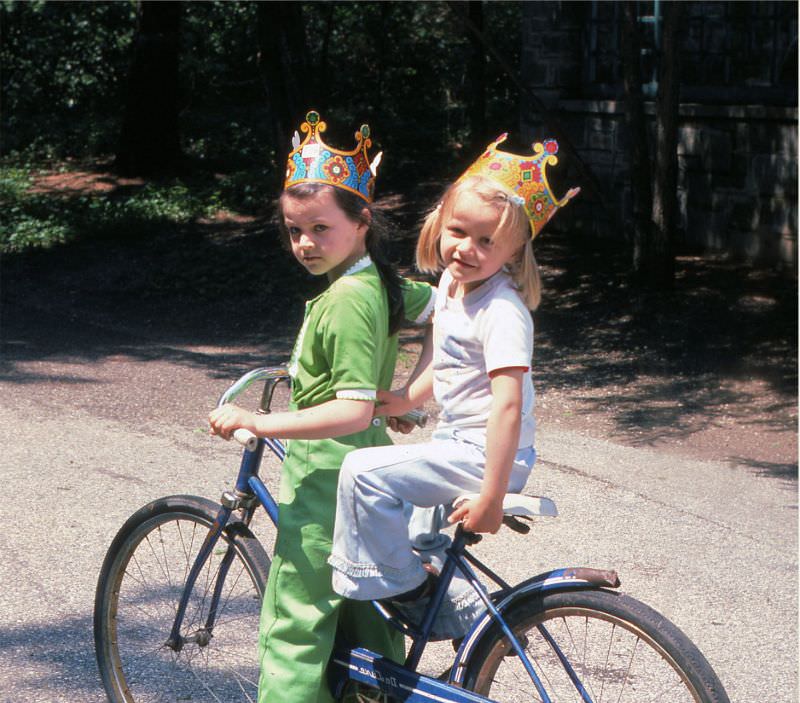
x: 100, y: 206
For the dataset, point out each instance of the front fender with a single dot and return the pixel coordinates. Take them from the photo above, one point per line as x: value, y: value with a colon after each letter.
x: 556, y: 580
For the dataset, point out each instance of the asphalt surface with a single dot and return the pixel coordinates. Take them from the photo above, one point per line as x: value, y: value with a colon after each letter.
x: 95, y: 422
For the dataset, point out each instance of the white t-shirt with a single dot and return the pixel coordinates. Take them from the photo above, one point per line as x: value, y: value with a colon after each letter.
x: 489, y: 328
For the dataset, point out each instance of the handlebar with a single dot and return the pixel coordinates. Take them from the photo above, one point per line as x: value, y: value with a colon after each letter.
x: 273, y: 375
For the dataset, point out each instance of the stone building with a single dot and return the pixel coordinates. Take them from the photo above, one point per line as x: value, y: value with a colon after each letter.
x: 738, y: 115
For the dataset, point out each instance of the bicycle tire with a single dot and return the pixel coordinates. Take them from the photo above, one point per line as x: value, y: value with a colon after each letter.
x: 621, y: 650
x: 137, y: 595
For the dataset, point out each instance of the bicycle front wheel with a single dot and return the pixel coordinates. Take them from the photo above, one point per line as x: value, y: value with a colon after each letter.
x: 615, y: 647
x: 138, y: 591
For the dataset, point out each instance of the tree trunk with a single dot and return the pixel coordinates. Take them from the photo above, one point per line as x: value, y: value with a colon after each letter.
x: 282, y: 61
x: 149, y: 143
x: 323, y: 84
x: 665, y: 194
x: 476, y: 79
x: 638, y: 151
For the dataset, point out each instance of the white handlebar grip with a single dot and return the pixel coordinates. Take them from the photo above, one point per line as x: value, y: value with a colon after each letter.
x: 246, y: 438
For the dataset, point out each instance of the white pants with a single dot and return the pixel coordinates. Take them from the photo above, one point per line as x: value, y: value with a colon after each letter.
x: 373, y: 554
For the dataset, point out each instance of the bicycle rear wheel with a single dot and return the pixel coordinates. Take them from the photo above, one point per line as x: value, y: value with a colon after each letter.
x: 138, y: 591
x: 619, y: 649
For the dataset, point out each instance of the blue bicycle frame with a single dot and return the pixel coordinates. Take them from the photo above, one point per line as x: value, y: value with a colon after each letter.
x: 358, y: 664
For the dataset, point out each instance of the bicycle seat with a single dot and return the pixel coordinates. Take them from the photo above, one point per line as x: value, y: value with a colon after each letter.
x: 520, y: 505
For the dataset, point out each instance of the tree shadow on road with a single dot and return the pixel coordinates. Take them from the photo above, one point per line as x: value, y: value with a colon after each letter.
x: 719, y: 350
x: 52, y: 659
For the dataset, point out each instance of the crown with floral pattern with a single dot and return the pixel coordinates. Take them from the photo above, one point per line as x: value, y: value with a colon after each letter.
x: 314, y: 161
x: 525, y: 177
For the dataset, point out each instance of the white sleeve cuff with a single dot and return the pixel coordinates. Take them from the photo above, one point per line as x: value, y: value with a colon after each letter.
x: 357, y: 394
x: 426, y: 313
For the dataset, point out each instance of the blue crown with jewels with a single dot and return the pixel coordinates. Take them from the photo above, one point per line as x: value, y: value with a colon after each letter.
x: 314, y: 161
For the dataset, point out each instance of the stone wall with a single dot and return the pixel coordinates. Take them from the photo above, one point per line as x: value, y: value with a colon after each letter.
x: 738, y: 162
x: 737, y: 185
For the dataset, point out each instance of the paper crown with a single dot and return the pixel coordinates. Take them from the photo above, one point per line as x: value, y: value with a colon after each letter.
x: 525, y: 177
x: 313, y: 161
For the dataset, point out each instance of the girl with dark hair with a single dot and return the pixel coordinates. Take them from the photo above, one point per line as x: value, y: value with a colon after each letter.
x: 344, y: 354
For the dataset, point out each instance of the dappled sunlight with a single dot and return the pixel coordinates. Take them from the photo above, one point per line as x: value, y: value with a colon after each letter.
x: 715, y: 355
x: 80, y: 182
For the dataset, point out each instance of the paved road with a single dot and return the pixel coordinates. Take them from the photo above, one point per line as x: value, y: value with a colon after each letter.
x: 95, y: 422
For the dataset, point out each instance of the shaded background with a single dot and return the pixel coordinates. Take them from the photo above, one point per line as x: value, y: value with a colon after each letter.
x: 143, y: 146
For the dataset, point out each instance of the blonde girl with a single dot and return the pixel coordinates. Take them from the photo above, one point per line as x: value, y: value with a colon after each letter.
x: 478, y: 369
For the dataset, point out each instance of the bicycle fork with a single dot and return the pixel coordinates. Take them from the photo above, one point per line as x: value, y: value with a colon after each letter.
x: 203, y: 635
x: 247, y: 484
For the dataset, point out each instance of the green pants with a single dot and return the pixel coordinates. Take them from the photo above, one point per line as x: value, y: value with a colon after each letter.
x: 301, y: 612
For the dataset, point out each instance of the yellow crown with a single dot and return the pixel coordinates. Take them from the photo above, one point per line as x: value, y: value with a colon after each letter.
x: 313, y: 161
x: 525, y: 178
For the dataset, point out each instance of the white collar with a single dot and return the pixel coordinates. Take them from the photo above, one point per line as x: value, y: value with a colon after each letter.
x: 359, y: 265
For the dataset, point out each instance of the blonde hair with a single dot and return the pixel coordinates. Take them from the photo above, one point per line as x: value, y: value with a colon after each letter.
x: 513, y: 224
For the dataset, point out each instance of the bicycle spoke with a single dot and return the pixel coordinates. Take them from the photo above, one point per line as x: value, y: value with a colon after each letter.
x: 166, y: 560
x: 606, y: 662
x: 155, y: 556
x: 224, y: 601
x: 628, y: 670
x: 187, y: 560
x: 204, y: 685
x: 585, y: 676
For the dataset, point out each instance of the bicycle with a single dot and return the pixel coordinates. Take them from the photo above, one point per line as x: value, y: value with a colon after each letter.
x: 179, y: 595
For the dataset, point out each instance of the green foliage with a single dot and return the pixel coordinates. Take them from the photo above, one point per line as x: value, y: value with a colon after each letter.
x: 64, y: 66
x: 219, y: 51
x: 401, y: 66
x: 232, y: 139
x: 37, y: 219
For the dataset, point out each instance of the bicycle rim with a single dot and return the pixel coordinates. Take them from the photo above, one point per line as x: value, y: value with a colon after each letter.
x: 142, y: 591
x: 619, y: 654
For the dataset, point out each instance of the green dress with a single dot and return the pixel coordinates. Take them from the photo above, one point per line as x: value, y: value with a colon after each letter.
x: 343, y: 351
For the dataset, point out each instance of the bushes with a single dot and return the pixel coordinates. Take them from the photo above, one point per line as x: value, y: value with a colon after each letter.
x: 43, y: 219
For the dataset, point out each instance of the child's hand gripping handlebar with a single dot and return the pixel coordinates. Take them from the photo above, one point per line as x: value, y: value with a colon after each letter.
x: 272, y: 376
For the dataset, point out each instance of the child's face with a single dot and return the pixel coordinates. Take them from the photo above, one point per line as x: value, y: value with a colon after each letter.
x: 323, y: 238
x: 466, y: 245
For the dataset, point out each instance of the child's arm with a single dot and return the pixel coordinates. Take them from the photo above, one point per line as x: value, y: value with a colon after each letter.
x: 333, y: 418
x: 485, y: 514
x: 419, y: 387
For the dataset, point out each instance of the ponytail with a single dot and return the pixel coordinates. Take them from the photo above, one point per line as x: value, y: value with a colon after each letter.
x: 376, y: 236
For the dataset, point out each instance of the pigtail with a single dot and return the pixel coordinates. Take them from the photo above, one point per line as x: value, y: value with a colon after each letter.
x: 376, y: 248
x: 525, y: 274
